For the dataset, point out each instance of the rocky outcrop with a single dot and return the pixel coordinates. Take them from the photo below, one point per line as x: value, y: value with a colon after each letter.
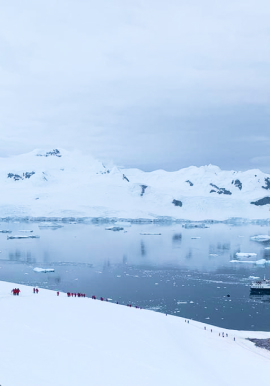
x: 177, y: 203
x: 189, y: 182
x: 267, y: 183
x: 143, y: 189
x: 17, y: 177
x: 125, y: 178
x: 219, y: 190
x: 54, y: 152
x: 262, y: 201
x: 238, y: 184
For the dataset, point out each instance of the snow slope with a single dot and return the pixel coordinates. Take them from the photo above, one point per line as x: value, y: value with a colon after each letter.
x: 67, y: 184
x: 59, y: 341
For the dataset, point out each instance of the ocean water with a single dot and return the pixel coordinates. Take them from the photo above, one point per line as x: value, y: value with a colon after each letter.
x: 166, y: 268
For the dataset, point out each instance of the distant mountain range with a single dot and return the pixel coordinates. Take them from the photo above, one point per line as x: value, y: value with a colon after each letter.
x: 66, y: 184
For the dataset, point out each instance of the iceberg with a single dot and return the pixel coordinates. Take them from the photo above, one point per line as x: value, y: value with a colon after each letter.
x: 22, y: 237
x: 260, y: 238
x: 114, y: 229
x: 150, y: 234
x: 243, y: 254
x: 256, y: 262
x: 43, y: 270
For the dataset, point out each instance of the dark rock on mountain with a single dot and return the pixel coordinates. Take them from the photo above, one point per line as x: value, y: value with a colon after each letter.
x: 17, y: 177
x: 215, y: 186
x: 267, y: 183
x: 262, y: 201
x: 125, y: 178
x: 177, y: 203
x: 28, y: 175
x: 262, y: 343
x: 143, y: 189
x: 238, y: 184
x: 54, y: 152
x: 189, y: 182
x: 220, y: 190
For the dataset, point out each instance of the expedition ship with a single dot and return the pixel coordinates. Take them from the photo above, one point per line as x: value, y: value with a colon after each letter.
x: 260, y: 287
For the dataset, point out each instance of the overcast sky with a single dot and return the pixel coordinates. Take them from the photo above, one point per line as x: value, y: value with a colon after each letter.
x: 143, y: 83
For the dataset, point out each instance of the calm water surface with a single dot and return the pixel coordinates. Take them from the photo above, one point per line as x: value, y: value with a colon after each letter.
x: 185, y: 272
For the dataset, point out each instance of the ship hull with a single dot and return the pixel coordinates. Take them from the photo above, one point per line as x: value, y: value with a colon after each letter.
x: 260, y: 291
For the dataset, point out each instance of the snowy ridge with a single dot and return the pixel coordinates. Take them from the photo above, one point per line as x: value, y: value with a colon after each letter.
x: 58, y: 183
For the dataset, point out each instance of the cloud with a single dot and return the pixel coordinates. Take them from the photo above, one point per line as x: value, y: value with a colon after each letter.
x: 144, y: 83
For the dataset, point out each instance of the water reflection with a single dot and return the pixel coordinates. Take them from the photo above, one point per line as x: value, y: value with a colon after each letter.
x: 260, y: 298
x: 184, y: 271
x: 177, y: 238
x: 143, y: 249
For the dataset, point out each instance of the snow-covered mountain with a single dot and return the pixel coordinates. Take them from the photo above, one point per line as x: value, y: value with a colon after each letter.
x: 62, y: 184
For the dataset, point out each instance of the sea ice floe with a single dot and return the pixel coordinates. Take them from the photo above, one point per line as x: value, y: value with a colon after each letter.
x: 256, y: 262
x: 114, y: 229
x: 22, y: 237
x: 43, y: 270
x: 50, y: 226
x: 150, y: 234
x: 260, y: 238
x: 244, y: 254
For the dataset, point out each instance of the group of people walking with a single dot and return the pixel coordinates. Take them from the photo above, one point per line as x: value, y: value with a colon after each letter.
x: 71, y: 294
x: 16, y: 291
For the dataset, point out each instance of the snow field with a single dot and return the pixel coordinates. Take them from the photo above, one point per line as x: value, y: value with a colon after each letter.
x: 61, y: 341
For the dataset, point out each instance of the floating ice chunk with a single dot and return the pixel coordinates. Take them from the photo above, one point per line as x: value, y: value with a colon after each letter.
x: 253, y: 277
x: 150, y: 234
x: 26, y: 230
x: 114, y: 229
x: 213, y: 254
x: 43, y: 270
x: 260, y: 238
x: 5, y: 231
x: 262, y: 261
x: 256, y: 262
x: 181, y: 302
x: 191, y: 226
x: 22, y: 237
x: 50, y: 226
x: 267, y: 248
x: 243, y: 254
x: 196, y: 237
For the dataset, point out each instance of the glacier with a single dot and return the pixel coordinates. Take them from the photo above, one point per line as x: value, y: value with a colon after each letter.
x: 59, y: 185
